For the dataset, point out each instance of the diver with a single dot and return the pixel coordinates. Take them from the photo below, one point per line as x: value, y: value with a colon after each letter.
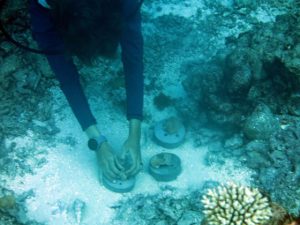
x: 88, y: 29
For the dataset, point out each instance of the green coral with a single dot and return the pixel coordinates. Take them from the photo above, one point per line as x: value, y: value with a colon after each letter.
x: 236, y: 205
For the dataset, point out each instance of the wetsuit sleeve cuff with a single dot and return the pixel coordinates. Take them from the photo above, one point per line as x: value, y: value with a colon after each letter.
x: 138, y: 117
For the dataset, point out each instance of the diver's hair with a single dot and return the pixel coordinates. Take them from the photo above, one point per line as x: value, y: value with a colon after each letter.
x: 89, y: 28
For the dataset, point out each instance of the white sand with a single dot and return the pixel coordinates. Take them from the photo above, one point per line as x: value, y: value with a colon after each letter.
x: 71, y: 172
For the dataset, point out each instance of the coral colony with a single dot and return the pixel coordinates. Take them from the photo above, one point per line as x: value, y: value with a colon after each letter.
x: 233, y: 204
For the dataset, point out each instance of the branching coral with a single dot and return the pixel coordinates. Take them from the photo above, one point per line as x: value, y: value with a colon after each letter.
x: 236, y: 205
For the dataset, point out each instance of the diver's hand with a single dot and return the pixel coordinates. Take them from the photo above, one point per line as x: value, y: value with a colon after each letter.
x: 131, y: 148
x: 110, y: 167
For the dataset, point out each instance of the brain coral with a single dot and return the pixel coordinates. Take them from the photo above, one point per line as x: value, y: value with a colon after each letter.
x: 236, y: 205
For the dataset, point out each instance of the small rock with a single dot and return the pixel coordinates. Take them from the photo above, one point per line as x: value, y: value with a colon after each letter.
x: 261, y: 124
x: 278, y: 155
x: 240, y: 80
x: 233, y: 143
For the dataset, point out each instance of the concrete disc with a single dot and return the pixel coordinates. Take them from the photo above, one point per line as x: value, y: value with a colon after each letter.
x: 165, y: 166
x: 169, y: 138
x: 119, y: 186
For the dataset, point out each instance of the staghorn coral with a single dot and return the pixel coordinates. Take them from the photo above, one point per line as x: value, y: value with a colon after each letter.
x: 231, y: 204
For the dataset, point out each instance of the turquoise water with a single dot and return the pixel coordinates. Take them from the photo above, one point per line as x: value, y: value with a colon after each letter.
x: 226, y: 69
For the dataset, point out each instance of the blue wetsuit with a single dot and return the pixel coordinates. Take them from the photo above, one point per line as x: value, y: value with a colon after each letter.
x: 45, y: 33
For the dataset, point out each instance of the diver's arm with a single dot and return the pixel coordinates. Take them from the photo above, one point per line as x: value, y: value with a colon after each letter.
x: 45, y: 34
x: 132, y: 57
